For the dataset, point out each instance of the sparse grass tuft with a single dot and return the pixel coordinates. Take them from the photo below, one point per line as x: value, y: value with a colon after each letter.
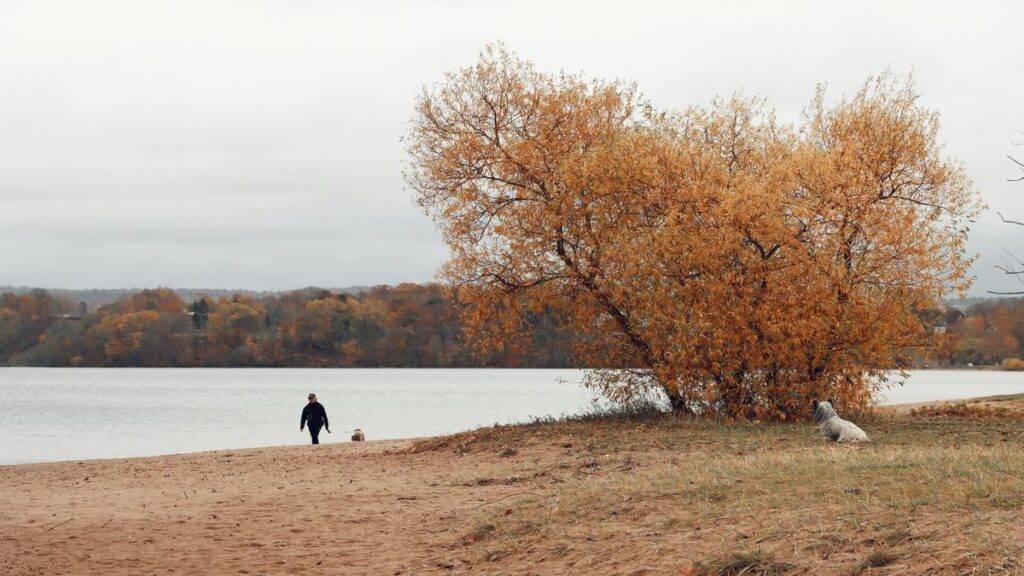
x: 754, y: 562
x: 877, y: 559
x: 638, y: 411
x: 894, y: 537
x: 481, y: 531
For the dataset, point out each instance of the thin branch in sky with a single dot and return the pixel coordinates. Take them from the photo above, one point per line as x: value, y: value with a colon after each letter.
x: 1011, y: 255
x: 1009, y: 271
x: 1001, y: 217
x: 1019, y: 165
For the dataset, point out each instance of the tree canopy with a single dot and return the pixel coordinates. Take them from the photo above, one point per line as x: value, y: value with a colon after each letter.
x: 738, y: 265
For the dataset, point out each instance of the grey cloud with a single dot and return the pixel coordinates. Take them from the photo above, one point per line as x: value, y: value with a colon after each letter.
x: 257, y: 144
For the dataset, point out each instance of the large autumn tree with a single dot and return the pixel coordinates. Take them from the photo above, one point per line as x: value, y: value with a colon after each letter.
x: 737, y: 265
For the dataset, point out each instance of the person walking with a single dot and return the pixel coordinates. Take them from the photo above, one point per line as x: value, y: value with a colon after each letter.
x: 314, y: 414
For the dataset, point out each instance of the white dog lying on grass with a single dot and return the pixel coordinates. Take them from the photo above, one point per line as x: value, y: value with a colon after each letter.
x: 835, y: 428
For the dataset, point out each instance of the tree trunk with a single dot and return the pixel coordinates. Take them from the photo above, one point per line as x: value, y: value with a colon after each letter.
x: 677, y: 403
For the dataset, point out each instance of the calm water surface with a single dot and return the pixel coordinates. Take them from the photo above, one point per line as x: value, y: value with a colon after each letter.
x: 74, y: 414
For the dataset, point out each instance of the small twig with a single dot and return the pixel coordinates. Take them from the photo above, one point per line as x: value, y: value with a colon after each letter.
x: 504, y: 497
x: 1010, y: 221
x: 1018, y: 163
x: 60, y: 524
x: 1009, y: 271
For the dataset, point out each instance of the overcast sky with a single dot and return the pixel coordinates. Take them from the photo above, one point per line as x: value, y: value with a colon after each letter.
x: 257, y: 144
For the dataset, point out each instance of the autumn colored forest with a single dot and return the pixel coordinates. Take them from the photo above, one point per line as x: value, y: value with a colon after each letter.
x: 410, y: 325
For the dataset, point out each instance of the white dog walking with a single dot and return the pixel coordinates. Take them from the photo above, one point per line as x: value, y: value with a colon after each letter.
x: 835, y: 428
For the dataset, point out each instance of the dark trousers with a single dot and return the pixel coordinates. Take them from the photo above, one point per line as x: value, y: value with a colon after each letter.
x: 314, y: 431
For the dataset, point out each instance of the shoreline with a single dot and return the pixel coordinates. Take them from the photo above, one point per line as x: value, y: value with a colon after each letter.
x: 250, y: 449
x: 900, y: 408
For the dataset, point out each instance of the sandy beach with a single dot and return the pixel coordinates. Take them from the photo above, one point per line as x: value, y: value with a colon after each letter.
x: 329, y: 509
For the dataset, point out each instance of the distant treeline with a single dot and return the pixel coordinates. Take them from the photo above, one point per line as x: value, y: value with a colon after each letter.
x: 409, y: 325
x: 987, y: 333
x: 96, y: 297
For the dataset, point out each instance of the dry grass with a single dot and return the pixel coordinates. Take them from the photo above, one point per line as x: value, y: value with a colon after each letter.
x: 965, y: 410
x: 939, y: 491
x: 877, y: 559
x: 990, y: 407
x: 754, y: 562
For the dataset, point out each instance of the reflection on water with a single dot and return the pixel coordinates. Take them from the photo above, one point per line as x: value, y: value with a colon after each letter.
x: 81, y: 413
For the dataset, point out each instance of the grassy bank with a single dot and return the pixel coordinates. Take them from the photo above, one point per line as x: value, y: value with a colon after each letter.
x: 939, y: 490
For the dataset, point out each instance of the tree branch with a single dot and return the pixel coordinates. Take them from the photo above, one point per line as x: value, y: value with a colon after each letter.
x: 1019, y: 165
x: 1009, y: 221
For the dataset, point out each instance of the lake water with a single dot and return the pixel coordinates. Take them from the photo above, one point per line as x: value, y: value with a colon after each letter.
x: 51, y: 414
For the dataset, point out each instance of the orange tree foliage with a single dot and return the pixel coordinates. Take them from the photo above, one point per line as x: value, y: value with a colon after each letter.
x: 140, y: 330
x: 738, y: 265
x: 25, y: 319
x: 122, y: 335
x: 233, y: 324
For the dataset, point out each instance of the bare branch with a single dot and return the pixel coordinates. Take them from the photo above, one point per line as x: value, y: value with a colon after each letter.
x: 1019, y: 165
x: 1018, y: 223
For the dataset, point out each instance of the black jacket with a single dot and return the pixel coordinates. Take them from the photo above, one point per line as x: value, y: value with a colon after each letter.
x: 314, y: 414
